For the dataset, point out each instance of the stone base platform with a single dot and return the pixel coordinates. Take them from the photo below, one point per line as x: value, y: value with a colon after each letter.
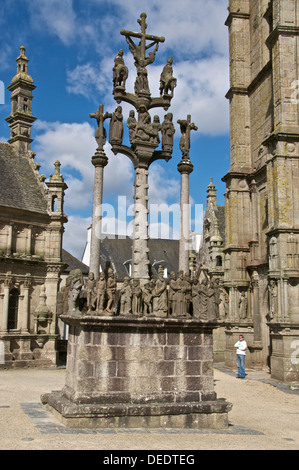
x: 139, y: 372
x: 203, y: 415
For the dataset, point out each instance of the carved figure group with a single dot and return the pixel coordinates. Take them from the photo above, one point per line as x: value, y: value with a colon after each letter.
x: 101, y: 294
x: 180, y: 297
x: 144, y: 130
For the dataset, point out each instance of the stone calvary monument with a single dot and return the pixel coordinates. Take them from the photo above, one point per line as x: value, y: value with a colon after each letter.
x: 149, y: 362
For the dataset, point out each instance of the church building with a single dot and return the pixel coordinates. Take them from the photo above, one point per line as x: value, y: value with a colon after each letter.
x: 31, y: 228
x: 259, y: 277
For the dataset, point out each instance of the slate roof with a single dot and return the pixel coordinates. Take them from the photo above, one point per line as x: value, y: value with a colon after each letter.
x: 118, y: 250
x: 19, y: 187
x: 220, y: 214
x: 73, y: 263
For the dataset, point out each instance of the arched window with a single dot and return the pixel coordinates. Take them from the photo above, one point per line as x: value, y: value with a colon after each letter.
x: 13, y: 308
x: 54, y: 204
x: 218, y: 260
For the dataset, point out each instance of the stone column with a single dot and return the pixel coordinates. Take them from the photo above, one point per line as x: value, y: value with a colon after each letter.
x: 4, y: 318
x: 29, y: 239
x: 99, y: 160
x: 256, y: 307
x: 140, y: 258
x: 9, y: 238
x: 185, y: 167
x: 25, y: 317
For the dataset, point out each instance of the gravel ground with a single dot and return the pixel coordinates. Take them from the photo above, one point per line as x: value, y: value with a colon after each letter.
x: 265, y: 416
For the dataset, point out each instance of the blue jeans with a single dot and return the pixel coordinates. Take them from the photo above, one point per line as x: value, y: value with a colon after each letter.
x: 241, y: 365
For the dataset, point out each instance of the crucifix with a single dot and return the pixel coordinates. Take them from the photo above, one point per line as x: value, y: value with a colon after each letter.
x: 186, y: 127
x: 99, y: 161
x: 100, y: 134
x: 139, y: 51
x: 185, y: 168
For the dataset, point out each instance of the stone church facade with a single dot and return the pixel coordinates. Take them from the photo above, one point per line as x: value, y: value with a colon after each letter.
x: 31, y: 227
x: 260, y: 273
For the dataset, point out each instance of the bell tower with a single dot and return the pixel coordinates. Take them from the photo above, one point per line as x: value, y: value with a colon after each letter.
x: 21, y: 119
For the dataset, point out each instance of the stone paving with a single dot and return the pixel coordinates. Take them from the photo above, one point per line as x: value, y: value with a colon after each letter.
x: 264, y: 417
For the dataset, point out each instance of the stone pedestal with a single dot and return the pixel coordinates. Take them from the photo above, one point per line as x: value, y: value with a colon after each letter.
x: 284, y: 352
x: 139, y: 372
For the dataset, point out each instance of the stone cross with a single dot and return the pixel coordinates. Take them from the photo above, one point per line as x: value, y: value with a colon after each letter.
x: 185, y: 168
x: 139, y: 51
x: 99, y: 160
x: 186, y: 127
x: 100, y: 134
x: 144, y: 139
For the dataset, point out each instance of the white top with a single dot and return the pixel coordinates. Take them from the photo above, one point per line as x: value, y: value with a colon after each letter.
x: 241, y: 347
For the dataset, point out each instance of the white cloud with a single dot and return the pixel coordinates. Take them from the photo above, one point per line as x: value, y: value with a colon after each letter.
x: 75, y: 235
x: 162, y: 189
x: 56, y: 16
x: 189, y: 27
x: 74, y: 145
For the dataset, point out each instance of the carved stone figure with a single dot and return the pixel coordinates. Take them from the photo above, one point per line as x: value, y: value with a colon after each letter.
x: 180, y: 299
x: 156, y: 127
x: 186, y: 126
x: 116, y: 130
x: 217, y: 297
x: 136, y: 297
x: 273, y: 300
x: 91, y: 291
x: 160, y: 296
x: 188, y: 293
x: 139, y: 49
x: 141, y: 83
x: 76, y: 284
x: 100, y: 134
x: 195, y: 298
x: 203, y: 299
x: 211, y: 304
x: 120, y: 71
x: 147, y: 297
x: 126, y: 297
x: 172, y: 294
x: 131, y: 123
x: 168, y: 130
x: 243, y: 306
x: 144, y: 128
x: 223, y: 304
x: 111, y: 291
x: 101, y: 292
x: 167, y: 81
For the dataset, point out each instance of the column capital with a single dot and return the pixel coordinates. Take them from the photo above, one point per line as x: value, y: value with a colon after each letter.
x: 99, y: 159
x: 185, y: 167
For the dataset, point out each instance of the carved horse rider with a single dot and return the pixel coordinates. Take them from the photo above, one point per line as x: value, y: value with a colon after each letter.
x: 167, y: 81
x: 120, y: 71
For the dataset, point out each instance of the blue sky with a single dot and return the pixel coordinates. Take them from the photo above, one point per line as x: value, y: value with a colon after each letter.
x: 71, y: 45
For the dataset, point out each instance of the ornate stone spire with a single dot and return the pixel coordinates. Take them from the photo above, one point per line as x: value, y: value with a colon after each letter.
x: 212, y: 193
x: 21, y: 119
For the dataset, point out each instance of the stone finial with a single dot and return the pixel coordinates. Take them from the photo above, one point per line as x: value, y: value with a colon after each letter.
x: 57, y: 175
x: 212, y: 193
